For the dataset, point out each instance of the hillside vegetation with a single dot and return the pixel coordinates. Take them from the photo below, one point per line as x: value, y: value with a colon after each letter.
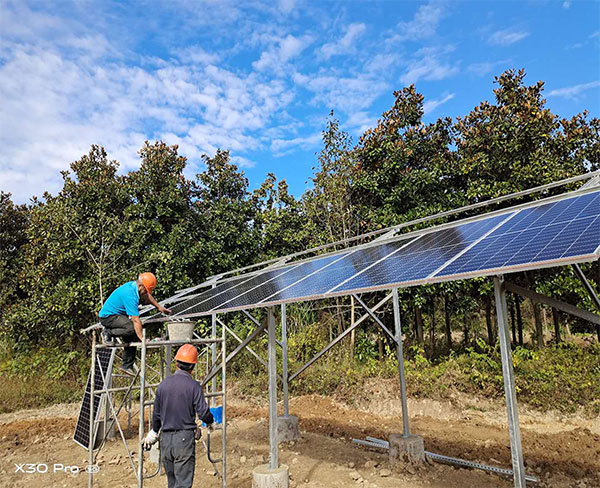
x: 61, y: 255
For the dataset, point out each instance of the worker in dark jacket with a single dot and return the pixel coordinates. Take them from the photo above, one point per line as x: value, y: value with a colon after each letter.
x: 179, y: 399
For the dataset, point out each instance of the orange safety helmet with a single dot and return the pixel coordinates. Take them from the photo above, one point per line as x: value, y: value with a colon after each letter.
x: 187, y: 354
x: 148, y: 280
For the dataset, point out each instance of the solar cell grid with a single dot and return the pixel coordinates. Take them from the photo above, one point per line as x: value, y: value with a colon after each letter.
x: 183, y: 307
x: 82, y: 427
x: 549, y: 232
x: 423, y: 256
x: 266, y: 289
x: 338, y: 271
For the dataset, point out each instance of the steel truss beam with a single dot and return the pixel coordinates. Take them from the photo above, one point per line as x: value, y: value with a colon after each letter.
x: 565, y: 307
x: 591, y: 292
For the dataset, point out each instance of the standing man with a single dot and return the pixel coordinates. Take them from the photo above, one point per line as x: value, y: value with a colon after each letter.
x: 179, y: 398
x: 120, y: 315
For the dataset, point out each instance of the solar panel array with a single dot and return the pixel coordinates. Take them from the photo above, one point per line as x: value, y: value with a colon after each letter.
x: 81, y: 436
x: 560, y: 231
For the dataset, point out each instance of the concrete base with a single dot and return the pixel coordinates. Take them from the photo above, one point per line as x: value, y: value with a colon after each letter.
x: 406, y: 449
x: 264, y: 477
x: 287, y: 428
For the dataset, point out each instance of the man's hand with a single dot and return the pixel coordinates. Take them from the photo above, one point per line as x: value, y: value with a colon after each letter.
x: 150, y: 439
x: 211, y: 427
x: 164, y: 310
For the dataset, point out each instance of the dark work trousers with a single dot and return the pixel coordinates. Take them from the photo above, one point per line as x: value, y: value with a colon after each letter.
x: 122, y: 326
x: 178, y: 454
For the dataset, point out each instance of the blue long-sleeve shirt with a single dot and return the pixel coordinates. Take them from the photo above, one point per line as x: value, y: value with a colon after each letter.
x: 179, y: 398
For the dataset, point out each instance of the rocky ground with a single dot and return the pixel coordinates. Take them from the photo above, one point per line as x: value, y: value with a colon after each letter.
x: 561, y: 451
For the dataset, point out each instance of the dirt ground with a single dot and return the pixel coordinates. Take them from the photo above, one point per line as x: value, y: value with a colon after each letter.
x: 561, y: 451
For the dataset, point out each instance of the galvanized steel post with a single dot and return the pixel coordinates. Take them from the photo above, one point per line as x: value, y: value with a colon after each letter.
x: 401, y: 372
x: 273, y: 460
x: 141, y: 419
x: 514, y: 430
x: 92, y: 423
x: 284, y: 372
x: 224, y: 404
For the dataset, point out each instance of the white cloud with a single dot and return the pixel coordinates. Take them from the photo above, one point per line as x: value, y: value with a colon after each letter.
x: 428, y: 65
x: 346, y: 93
x: 430, y: 105
x: 424, y: 24
x: 566, y: 4
x: 507, y: 37
x: 281, y: 147
x: 286, y: 6
x: 345, y: 44
x: 196, y: 55
x: 483, y: 68
x: 285, y: 50
x: 60, y: 98
x: 573, y: 92
x: 359, y: 122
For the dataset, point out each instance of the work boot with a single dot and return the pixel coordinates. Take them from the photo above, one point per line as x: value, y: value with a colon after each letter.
x: 129, y: 371
x: 107, y: 338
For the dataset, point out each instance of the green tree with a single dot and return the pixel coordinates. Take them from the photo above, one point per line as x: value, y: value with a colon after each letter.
x: 329, y: 210
x: 14, y: 220
x: 224, y: 214
x: 280, y: 219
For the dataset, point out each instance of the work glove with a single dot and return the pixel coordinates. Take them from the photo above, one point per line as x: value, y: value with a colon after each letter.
x: 150, y: 439
x: 211, y: 427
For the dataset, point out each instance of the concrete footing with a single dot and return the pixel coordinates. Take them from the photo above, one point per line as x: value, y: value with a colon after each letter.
x: 287, y: 428
x: 264, y: 477
x: 406, y: 449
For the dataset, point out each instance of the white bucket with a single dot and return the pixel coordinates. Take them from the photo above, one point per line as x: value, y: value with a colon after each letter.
x: 180, y: 331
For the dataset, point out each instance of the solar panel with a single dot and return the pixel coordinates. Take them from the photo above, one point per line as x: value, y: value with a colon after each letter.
x: 182, y: 308
x: 265, y: 285
x: 339, y: 271
x: 564, y: 230
x: 543, y: 234
x: 81, y: 436
x: 423, y: 256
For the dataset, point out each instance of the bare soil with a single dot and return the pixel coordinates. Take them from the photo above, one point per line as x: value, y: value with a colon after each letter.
x: 561, y: 451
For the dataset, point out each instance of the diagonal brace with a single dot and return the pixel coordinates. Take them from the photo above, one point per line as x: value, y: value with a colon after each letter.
x: 340, y: 337
x: 258, y: 324
x: 215, y: 367
x: 375, y: 318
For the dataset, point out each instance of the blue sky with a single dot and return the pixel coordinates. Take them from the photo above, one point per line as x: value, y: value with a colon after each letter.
x: 259, y: 78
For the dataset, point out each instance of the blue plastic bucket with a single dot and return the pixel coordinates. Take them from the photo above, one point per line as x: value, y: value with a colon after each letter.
x: 217, y: 413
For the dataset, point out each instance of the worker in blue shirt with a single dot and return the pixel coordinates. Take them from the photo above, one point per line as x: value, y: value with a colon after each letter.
x: 120, y: 315
x: 179, y: 399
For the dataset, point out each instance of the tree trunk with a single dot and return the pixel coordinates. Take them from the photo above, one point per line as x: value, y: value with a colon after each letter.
x: 419, y: 325
x: 519, y: 319
x: 447, y: 323
x: 537, y: 319
x: 555, y: 317
x: 512, y: 321
x: 488, y: 320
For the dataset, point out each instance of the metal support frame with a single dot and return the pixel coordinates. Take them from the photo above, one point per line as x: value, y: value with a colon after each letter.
x: 284, y: 371
x: 514, y: 430
x: 109, y: 390
x: 591, y: 292
x: 273, y: 447
x: 401, y: 372
x: 340, y: 337
x: 565, y: 307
